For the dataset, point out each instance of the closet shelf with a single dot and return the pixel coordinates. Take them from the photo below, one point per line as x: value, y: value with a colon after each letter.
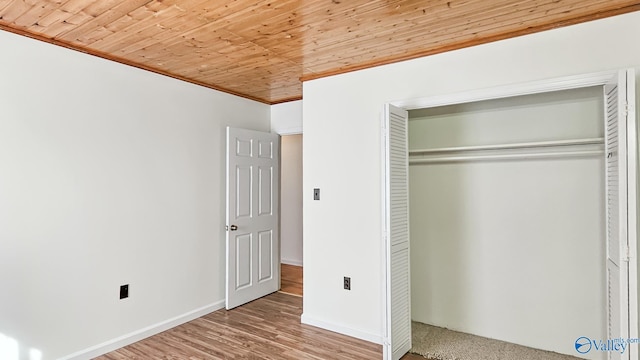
x: 527, y: 145
x: 540, y: 155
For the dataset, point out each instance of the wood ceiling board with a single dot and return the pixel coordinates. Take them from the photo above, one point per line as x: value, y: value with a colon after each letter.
x: 78, y: 34
x: 261, y: 48
x: 14, y: 10
x: 34, y: 14
x: 450, y: 45
x: 379, y: 39
x: 170, y: 32
x: 160, y: 26
x: 374, y: 33
x: 476, y: 28
x: 227, y: 52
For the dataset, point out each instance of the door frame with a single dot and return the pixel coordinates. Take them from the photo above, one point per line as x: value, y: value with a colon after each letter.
x: 499, y: 92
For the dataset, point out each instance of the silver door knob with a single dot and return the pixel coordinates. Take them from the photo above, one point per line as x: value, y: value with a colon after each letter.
x: 233, y: 228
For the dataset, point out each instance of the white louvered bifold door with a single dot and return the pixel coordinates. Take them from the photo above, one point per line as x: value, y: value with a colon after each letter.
x: 398, y: 312
x: 621, y: 213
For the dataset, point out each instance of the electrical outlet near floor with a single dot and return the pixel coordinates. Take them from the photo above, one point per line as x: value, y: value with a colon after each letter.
x: 124, y: 291
x: 347, y: 283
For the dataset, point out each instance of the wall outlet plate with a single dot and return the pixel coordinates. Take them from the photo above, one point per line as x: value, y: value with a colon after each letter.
x: 347, y: 283
x: 124, y: 291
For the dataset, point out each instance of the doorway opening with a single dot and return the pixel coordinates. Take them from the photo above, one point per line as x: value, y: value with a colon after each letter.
x: 291, y: 273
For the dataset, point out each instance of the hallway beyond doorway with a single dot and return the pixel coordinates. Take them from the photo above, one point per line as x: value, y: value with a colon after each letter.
x: 291, y: 279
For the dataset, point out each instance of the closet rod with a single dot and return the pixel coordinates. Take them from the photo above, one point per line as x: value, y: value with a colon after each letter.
x: 539, y: 144
x: 544, y: 155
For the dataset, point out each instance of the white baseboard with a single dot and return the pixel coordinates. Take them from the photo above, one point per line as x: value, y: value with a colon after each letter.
x: 291, y: 262
x: 358, y: 334
x: 144, y: 333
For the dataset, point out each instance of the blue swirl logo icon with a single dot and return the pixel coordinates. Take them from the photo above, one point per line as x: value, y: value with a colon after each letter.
x: 583, y: 345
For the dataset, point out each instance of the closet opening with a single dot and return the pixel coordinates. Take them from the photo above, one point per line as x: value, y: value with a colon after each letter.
x: 512, y: 228
x: 507, y: 218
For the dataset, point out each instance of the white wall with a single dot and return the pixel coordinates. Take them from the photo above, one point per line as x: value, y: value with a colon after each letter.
x: 291, y: 199
x: 286, y: 118
x: 342, y: 146
x: 506, y: 249
x: 109, y: 175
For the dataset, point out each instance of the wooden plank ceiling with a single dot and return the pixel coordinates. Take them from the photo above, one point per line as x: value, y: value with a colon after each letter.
x: 262, y: 49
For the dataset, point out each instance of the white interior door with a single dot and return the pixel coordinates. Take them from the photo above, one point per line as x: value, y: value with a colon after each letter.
x: 621, y: 262
x: 253, y: 238
x: 398, y: 299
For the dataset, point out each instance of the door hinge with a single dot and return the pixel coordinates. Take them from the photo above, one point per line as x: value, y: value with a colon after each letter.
x: 626, y: 255
x: 628, y: 108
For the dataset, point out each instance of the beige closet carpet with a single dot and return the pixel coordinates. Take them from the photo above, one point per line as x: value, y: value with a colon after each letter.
x: 442, y: 344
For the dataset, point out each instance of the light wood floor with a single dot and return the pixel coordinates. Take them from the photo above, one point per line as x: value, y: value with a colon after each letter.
x: 291, y: 279
x: 267, y: 328
x: 291, y: 283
